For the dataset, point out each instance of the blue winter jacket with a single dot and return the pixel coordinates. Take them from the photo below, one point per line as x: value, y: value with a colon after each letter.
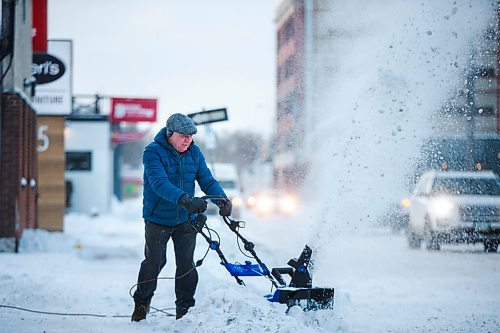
x: 168, y: 175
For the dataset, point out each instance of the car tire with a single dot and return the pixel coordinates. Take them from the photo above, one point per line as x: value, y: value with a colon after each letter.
x: 414, y: 241
x: 431, y: 238
x: 490, y: 246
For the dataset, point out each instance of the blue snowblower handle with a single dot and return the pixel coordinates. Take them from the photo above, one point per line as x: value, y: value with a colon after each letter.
x: 214, y: 197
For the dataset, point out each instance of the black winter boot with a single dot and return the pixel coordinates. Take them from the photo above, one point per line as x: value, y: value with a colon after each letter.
x: 140, y: 311
x: 180, y: 312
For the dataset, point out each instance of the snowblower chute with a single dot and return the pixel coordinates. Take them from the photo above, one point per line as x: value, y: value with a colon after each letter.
x: 298, y: 292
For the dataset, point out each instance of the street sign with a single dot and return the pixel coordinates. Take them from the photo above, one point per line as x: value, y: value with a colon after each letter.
x: 209, y: 116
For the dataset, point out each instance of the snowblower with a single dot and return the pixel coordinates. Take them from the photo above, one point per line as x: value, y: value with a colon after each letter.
x: 299, y: 290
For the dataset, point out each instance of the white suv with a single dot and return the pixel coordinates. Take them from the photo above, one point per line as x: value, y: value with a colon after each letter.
x: 455, y: 207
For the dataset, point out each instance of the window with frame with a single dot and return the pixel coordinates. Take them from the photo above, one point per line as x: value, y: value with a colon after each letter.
x: 79, y: 161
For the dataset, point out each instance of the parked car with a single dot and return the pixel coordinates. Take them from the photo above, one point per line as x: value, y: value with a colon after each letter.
x: 273, y: 201
x: 455, y: 207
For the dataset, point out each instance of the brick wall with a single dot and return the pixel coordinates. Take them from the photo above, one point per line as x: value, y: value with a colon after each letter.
x: 18, y: 164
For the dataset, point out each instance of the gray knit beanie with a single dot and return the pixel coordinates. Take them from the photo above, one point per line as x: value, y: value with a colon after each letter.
x: 181, y: 124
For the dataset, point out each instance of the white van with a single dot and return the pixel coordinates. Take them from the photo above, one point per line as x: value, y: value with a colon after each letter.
x: 227, y: 176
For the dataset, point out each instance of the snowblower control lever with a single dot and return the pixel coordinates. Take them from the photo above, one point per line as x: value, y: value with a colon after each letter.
x: 198, y: 223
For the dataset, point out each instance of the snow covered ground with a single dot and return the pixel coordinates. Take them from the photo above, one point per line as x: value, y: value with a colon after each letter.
x: 400, y: 64
x: 405, y: 54
x: 381, y: 285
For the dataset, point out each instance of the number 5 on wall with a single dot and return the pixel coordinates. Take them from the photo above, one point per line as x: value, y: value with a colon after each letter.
x: 43, y: 138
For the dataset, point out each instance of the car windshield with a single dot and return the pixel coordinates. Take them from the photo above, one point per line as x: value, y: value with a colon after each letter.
x: 467, y: 186
x: 227, y: 184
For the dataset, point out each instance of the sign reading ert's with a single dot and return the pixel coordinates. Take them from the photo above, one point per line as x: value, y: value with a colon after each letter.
x: 46, y: 68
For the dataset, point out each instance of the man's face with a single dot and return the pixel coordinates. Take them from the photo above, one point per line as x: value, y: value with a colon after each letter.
x: 180, y: 142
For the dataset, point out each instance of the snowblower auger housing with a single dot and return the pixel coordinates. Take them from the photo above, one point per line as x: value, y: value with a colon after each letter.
x: 300, y: 289
x: 298, y: 292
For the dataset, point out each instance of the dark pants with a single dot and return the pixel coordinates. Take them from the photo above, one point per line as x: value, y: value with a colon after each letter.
x: 157, y: 236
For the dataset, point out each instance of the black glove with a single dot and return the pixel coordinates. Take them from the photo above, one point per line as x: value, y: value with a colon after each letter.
x: 225, y: 207
x: 193, y: 205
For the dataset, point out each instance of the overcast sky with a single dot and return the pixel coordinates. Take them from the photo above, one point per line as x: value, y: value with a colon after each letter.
x: 190, y: 54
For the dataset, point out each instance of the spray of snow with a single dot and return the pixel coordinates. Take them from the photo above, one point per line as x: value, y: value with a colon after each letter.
x: 385, y: 73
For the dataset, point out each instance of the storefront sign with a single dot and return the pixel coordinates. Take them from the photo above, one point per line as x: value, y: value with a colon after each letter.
x: 46, y: 68
x: 133, y: 109
x: 53, y: 71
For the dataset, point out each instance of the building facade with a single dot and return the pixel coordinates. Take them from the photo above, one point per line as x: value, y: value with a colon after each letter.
x: 89, y: 164
x: 18, y: 162
x: 307, y: 48
x: 288, y: 161
x: 466, y: 129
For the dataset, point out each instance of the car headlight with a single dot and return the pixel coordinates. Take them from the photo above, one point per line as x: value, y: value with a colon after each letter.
x: 442, y: 208
x: 251, y: 201
x: 264, y: 204
x: 236, y: 201
x: 288, y: 204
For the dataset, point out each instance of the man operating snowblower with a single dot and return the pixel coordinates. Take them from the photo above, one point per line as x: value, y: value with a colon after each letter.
x: 172, y: 164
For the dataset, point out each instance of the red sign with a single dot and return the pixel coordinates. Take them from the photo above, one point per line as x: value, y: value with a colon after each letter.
x: 133, y: 110
x: 40, y: 26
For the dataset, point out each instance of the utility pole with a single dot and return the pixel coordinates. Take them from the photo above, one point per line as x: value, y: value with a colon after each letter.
x: 497, y: 39
x: 6, y: 48
x: 470, y: 112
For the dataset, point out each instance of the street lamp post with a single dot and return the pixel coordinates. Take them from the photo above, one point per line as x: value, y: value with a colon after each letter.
x: 470, y: 111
